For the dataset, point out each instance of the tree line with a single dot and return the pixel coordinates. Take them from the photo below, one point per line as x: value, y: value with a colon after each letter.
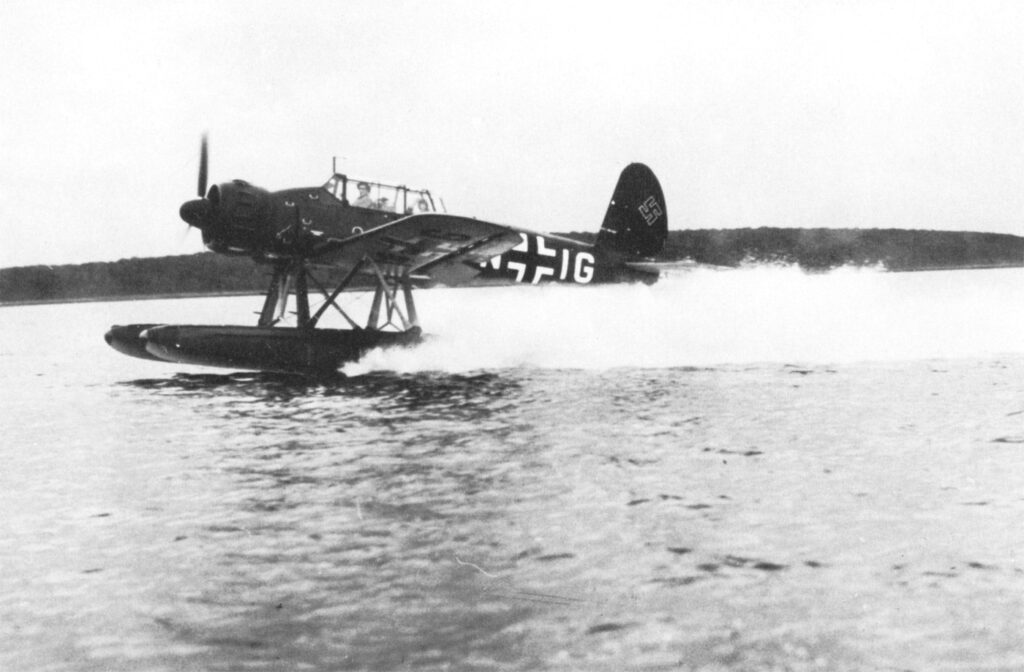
x: 825, y: 249
x: 811, y: 249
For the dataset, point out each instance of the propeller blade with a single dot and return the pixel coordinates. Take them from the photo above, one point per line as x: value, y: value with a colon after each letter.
x: 204, y: 161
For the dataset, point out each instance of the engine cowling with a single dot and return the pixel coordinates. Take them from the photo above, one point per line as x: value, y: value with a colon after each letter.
x: 235, y: 217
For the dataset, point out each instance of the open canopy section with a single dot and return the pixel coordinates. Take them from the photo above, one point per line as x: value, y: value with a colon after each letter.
x: 373, y: 195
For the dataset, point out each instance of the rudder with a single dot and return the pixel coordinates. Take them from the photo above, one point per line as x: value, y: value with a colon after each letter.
x: 636, y: 223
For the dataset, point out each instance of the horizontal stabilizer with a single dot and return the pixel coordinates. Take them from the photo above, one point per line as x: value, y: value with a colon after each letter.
x: 672, y: 266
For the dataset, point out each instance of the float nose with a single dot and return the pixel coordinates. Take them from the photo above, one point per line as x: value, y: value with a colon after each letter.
x: 129, y: 339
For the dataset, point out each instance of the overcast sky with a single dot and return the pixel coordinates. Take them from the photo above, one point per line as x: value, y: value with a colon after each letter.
x: 771, y: 113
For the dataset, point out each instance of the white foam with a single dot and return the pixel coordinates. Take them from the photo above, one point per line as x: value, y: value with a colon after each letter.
x: 708, y: 317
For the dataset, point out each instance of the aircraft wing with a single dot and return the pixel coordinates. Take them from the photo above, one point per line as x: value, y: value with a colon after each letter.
x: 443, y: 249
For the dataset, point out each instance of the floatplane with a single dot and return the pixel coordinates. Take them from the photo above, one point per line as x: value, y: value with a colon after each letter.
x: 391, y: 238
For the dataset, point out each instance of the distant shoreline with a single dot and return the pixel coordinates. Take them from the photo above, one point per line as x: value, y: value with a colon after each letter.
x: 204, y: 295
x: 976, y: 267
x: 134, y: 297
x: 810, y: 249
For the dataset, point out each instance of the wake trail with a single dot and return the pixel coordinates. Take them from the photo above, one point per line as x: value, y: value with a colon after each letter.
x: 711, y: 317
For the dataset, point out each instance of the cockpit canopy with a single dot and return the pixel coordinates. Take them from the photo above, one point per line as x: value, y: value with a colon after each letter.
x: 378, y: 196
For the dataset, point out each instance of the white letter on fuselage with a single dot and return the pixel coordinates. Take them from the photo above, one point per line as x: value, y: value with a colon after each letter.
x: 584, y: 267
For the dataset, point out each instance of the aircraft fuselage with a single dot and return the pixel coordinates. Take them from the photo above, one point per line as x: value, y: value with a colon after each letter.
x: 246, y: 220
x: 543, y: 258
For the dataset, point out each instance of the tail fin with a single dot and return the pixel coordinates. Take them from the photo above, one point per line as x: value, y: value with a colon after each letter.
x: 636, y: 223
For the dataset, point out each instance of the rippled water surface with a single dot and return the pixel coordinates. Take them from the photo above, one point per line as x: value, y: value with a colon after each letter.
x: 746, y: 470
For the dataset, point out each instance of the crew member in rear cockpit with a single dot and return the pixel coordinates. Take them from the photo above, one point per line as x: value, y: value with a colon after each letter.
x: 364, y: 200
x: 421, y: 207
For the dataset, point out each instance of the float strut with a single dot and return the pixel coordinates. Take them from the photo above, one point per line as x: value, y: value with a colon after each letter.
x: 331, y: 299
x: 301, y: 295
x: 378, y: 294
x: 410, y: 306
x: 277, y: 297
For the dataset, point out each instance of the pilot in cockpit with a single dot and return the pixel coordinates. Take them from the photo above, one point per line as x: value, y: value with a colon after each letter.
x: 364, y: 200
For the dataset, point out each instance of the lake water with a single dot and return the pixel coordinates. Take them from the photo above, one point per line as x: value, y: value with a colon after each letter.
x: 736, y: 470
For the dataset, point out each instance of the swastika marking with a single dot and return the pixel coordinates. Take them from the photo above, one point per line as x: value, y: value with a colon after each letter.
x: 650, y: 210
